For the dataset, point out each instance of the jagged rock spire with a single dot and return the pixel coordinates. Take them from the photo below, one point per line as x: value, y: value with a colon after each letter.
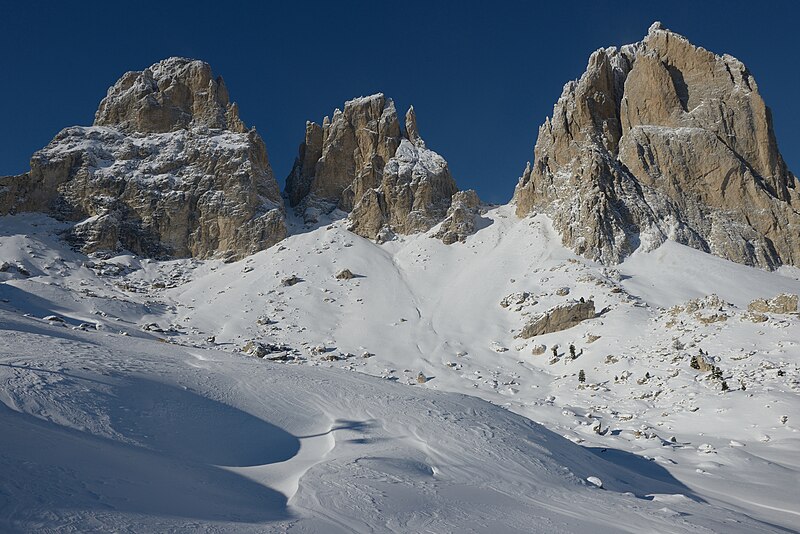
x: 664, y: 140
x: 363, y: 163
x: 412, y: 132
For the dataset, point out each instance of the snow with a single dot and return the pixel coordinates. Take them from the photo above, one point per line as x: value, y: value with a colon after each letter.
x: 675, y: 273
x: 118, y: 424
x: 158, y: 159
x: 362, y: 100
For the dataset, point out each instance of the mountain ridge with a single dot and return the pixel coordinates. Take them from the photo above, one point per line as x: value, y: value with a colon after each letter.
x: 658, y: 140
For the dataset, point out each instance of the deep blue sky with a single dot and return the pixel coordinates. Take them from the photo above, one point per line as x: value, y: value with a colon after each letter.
x: 481, y: 76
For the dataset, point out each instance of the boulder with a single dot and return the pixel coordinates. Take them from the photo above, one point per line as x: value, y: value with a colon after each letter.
x: 558, y: 318
x: 291, y: 280
x: 345, y: 274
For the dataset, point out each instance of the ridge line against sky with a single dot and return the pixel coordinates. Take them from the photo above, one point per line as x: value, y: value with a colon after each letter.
x: 482, y: 78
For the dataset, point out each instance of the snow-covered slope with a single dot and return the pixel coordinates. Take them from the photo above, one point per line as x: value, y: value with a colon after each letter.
x: 106, y: 433
x: 391, y: 454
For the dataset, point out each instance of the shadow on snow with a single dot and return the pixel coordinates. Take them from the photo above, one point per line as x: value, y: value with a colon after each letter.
x: 165, y: 461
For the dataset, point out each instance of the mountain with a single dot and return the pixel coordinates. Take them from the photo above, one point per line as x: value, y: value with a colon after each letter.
x: 389, y: 355
x: 167, y: 170
x: 361, y: 161
x: 662, y: 140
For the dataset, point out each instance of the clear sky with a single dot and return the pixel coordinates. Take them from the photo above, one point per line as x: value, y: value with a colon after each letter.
x: 482, y: 76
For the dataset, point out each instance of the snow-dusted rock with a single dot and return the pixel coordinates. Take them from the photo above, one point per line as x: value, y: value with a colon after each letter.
x: 412, y: 197
x: 174, y: 94
x: 558, y: 318
x: 460, y: 220
x: 360, y: 161
x: 783, y: 303
x: 167, y: 171
x: 595, y: 482
x: 515, y: 299
x: 291, y: 280
x: 345, y: 274
x: 664, y: 140
x: 345, y: 156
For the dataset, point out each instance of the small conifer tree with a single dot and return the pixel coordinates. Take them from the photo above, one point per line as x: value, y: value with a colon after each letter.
x: 724, y: 386
x: 581, y: 376
x: 572, y: 351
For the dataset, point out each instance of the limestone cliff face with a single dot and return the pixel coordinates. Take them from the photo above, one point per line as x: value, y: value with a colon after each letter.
x: 664, y: 140
x: 174, y: 94
x: 167, y: 171
x: 362, y: 162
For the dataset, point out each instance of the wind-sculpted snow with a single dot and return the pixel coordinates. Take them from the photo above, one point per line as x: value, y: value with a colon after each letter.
x: 135, y: 372
x: 103, y: 433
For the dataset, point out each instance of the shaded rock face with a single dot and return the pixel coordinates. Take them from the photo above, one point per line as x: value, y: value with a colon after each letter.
x: 558, y: 318
x: 664, y: 140
x: 177, y: 176
x: 346, y: 155
x: 362, y: 162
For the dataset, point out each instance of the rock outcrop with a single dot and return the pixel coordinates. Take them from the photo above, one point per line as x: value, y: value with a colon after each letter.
x: 345, y: 274
x: 168, y: 170
x: 558, y: 318
x: 461, y: 215
x: 361, y: 161
x: 664, y: 140
x: 783, y: 303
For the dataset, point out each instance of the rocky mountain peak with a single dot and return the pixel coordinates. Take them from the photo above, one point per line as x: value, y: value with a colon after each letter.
x: 173, y: 94
x: 661, y: 140
x: 168, y: 170
x: 347, y: 152
x: 361, y: 161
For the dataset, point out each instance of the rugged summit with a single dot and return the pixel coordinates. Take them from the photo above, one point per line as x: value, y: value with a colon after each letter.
x: 664, y: 140
x: 168, y: 170
x: 174, y: 94
x: 362, y: 162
